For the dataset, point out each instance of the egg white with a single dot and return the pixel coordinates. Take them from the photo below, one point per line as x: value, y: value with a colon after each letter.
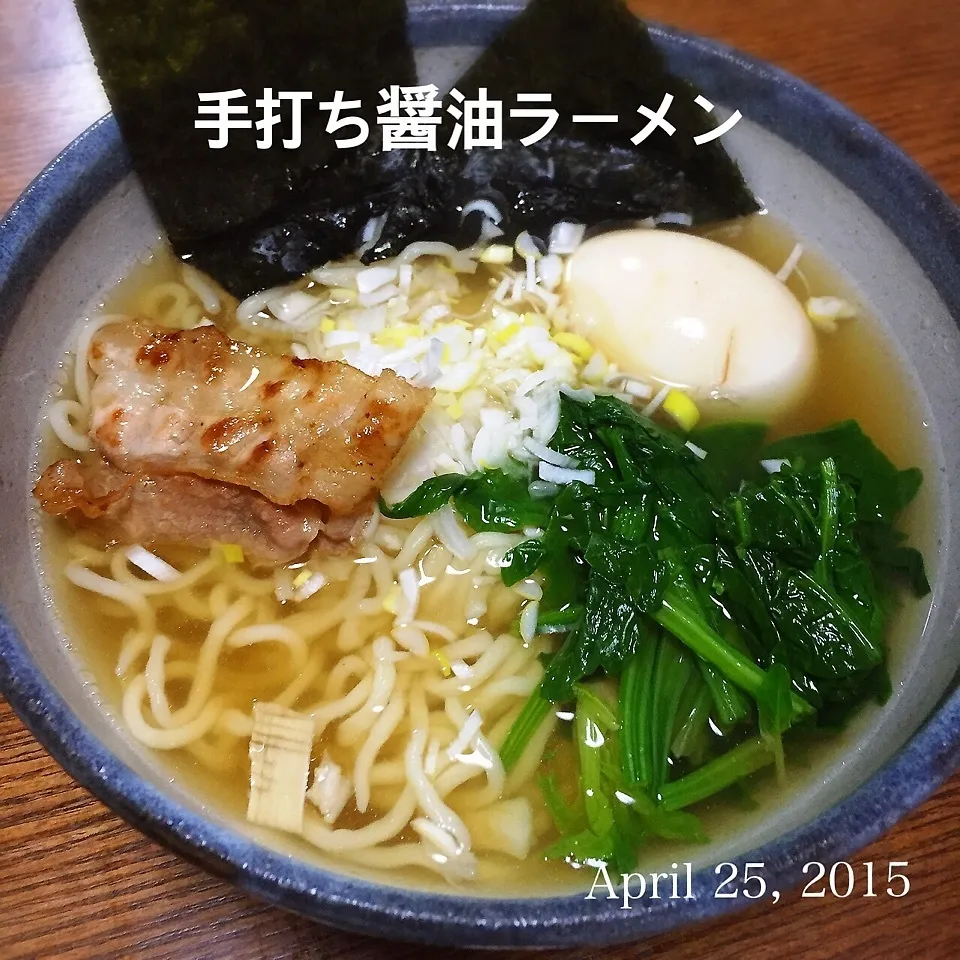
x: 689, y: 312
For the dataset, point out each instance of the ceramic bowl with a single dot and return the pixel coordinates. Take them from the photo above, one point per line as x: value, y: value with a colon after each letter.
x: 841, y: 186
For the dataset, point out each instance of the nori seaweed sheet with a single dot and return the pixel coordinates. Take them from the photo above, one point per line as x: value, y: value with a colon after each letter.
x: 155, y: 56
x: 255, y: 218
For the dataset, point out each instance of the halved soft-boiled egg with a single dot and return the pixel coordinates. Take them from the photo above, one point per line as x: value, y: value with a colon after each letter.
x: 689, y: 312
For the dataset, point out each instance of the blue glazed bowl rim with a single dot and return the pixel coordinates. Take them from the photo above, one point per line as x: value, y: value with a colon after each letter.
x: 897, y: 190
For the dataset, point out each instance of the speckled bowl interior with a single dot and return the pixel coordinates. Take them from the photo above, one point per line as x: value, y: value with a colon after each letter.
x: 842, y: 188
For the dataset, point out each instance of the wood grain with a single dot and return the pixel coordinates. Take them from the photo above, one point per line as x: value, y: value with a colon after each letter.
x: 76, y: 882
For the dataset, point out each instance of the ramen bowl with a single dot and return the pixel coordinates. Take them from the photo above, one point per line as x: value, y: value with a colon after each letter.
x: 842, y: 188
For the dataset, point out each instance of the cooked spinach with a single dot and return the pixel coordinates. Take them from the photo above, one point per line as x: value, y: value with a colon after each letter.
x: 721, y: 595
x: 609, y: 816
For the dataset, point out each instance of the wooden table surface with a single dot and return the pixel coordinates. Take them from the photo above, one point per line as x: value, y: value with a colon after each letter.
x: 76, y: 881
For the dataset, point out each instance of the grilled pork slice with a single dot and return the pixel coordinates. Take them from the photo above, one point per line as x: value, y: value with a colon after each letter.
x: 181, y: 509
x: 195, y: 401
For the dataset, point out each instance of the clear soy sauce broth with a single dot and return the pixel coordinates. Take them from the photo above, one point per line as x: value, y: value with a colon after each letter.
x: 859, y: 377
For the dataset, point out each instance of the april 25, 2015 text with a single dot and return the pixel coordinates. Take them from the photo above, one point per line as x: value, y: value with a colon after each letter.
x: 839, y: 880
